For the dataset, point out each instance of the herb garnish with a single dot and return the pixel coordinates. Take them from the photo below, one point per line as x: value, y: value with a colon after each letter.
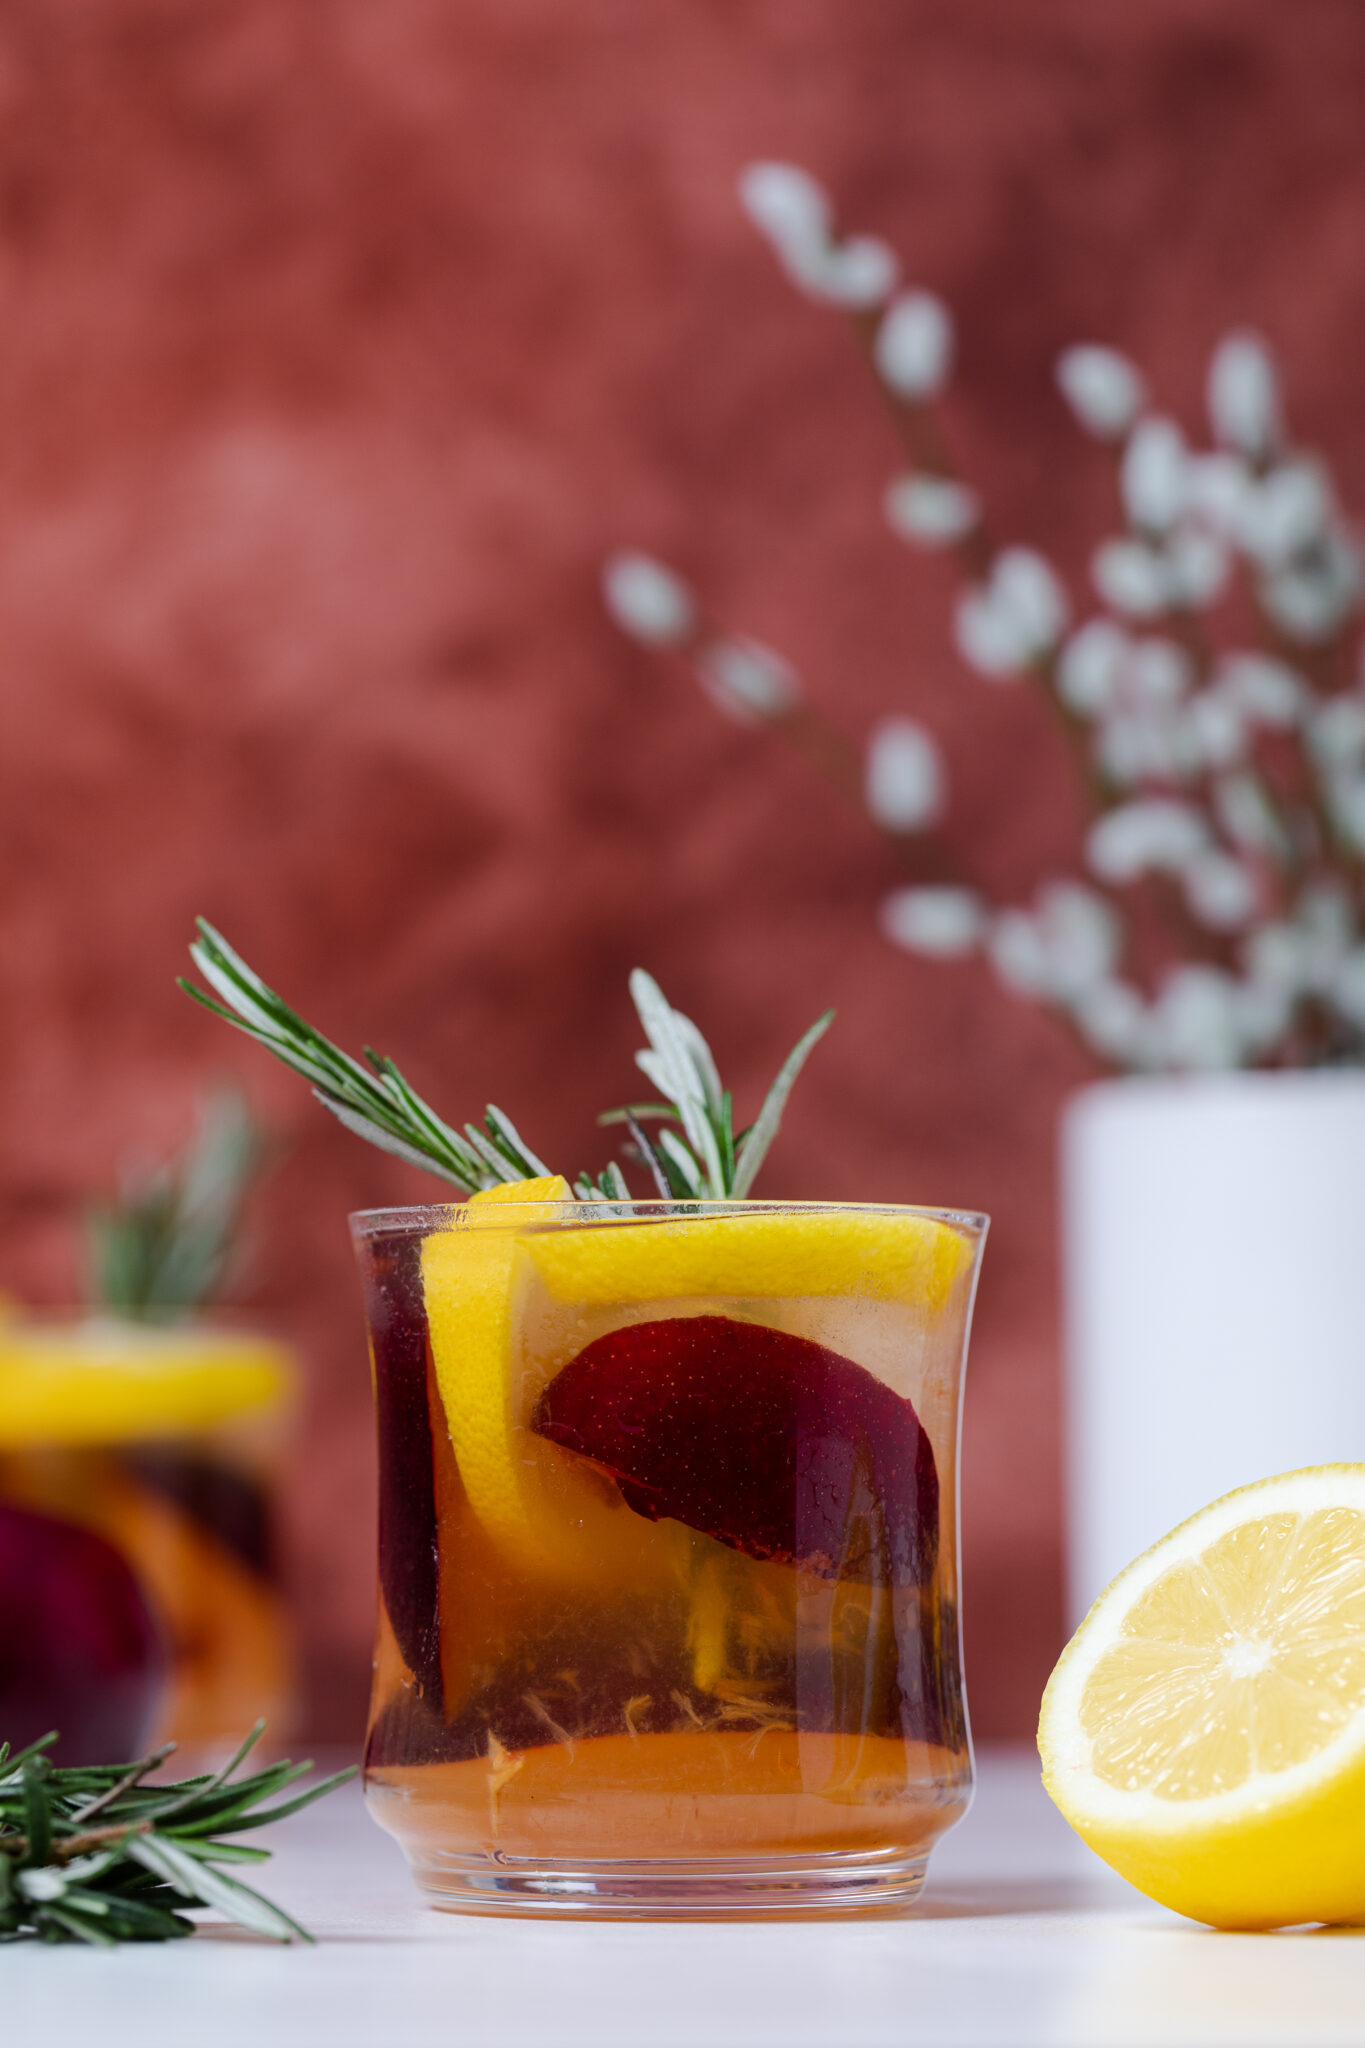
x: 696, y: 1154
x: 93, y: 1853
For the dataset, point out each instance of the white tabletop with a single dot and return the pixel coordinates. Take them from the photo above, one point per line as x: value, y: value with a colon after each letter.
x: 1020, y: 1938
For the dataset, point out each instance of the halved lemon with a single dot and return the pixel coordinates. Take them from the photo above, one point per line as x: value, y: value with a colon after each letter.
x: 1204, y: 1730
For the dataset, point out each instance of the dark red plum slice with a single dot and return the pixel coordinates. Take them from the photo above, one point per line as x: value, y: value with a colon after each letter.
x: 766, y: 1441
x: 80, y: 1650
x: 392, y: 1277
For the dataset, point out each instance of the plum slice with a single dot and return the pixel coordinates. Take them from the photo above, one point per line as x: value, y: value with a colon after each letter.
x: 392, y: 1277
x: 766, y: 1441
x: 80, y: 1649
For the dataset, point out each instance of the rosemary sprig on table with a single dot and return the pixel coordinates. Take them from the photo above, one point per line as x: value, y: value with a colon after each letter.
x: 94, y: 1853
x: 696, y: 1154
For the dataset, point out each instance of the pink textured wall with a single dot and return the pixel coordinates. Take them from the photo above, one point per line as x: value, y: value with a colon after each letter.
x: 337, y: 343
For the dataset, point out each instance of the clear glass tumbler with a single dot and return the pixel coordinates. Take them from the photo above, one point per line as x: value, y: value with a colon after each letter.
x: 139, y: 1467
x: 668, y: 1552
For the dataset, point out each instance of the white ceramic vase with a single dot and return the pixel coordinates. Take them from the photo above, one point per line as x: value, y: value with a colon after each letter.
x: 1214, y: 1268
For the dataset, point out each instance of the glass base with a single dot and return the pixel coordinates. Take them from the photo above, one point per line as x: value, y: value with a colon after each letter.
x: 712, y: 1888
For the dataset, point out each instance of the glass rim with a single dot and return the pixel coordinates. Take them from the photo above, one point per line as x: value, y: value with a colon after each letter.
x: 371, y: 1223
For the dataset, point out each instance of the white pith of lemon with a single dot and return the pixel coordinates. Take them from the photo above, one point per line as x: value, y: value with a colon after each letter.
x: 1204, y: 1730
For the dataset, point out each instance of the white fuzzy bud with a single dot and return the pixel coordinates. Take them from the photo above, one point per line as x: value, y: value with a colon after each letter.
x: 914, y: 346
x: 787, y: 205
x: 1028, y: 588
x: 1285, y: 512
x: 1017, y: 615
x: 943, y: 923
x: 1152, y: 476
x: 857, y: 273
x: 1081, y: 933
x: 1159, y: 672
x: 1196, y: 566
x: 1132, y: 577
x: 1265, y: 690
x: 988, y: 639
x: 1147, y: 746
x: 1243, y: 395
x: 1220, y: 891
x: 1151, y: 833
x: 904, y: 787
x: 1104, y: 390
x: 1113, y: 1019
x: 1197, y: 1020
x: 1218, y: 488
x: 748, y: 681
x: 931, y: 511
x: 1217, y: 732
x: 1065, y: 945
x: 1336, y: 733
x: 1090, y: 666
x: 1310, y: 599
x: 1346, y: 800
x: 1018, y: 954
x: 647, y: 600
x: 1247, y: 815
x: 1277, y: 957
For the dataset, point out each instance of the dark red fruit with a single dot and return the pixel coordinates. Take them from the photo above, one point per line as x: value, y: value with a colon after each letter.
x: 765, y: 1441
x: 391, y: 1271
x: 80, y: 1650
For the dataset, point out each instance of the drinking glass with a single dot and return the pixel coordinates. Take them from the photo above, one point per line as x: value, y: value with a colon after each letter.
x: 138, y: 1468
x: 668, y: 1553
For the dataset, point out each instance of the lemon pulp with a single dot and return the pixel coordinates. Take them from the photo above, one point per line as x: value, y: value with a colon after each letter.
x: 1205, y: 1730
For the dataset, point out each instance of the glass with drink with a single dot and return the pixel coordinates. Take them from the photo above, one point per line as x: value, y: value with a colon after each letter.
x: 668, y: 1612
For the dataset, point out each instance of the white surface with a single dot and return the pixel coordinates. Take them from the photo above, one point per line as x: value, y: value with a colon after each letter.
x: 1215, y: 1289
x: 1021, y: 1939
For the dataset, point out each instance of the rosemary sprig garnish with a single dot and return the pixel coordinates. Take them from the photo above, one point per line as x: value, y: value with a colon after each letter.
x: 695, y: 1155
x: 94, y: 1853
x: 165, y: 1242
x: 377, y: 1104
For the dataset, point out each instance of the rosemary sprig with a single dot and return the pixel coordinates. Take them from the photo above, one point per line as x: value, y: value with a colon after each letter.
x: 94, y: 1853
x: 165, y: 1243
x: 377, y: 1104
x: 696, y: 1154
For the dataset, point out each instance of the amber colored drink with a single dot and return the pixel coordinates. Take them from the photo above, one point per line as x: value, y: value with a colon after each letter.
x: 160, y: 1444
x: 668, y: 1556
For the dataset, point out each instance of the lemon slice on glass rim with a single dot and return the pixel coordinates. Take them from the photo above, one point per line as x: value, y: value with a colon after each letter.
x: 1204, y: 1730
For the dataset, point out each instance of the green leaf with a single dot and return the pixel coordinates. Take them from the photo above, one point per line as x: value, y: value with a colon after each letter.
x: 37, y: 1811
x: 200, y: 1882
x: 677, y: 1070
x: 753, y: 1148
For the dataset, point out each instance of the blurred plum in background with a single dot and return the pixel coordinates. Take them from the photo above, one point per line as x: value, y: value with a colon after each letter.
x: 79, y: 1649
